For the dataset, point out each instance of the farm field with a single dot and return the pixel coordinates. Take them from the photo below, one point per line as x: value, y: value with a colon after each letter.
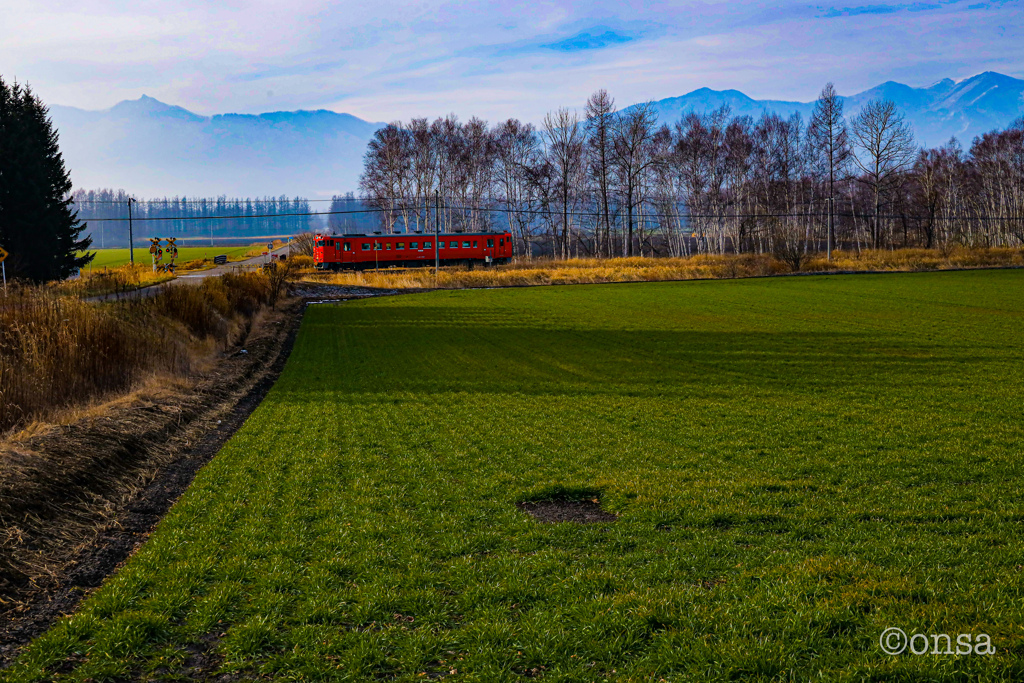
x: 112, y: 258
x: 797, y: 464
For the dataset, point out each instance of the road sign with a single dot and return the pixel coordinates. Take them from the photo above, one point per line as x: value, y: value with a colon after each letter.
x: 270, y: 247
x: 3, y: 254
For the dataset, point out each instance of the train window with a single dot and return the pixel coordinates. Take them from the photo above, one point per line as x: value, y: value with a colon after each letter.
x: 465, y: 245
x: 319, y: 243
x: 400, y: 245
x: 376, y: 246
x: 348, y: 246
x: 501, y: 242
x: 330, y: 243
x: 474, y: 244
x: 388, y: 246
x: 490, y: 243
x: 366, y: 246
x: 414, y: 245
x: 428, y: 245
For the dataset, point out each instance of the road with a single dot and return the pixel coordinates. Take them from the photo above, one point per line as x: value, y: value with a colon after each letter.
x: 194, y: 276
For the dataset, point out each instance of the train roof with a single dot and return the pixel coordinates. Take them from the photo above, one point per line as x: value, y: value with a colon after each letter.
x: 414, y: 234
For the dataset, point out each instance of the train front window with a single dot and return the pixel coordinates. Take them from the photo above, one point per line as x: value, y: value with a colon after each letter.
x: 319, y: 243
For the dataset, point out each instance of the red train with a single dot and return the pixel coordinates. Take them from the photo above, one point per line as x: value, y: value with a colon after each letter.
x: 359, y: 251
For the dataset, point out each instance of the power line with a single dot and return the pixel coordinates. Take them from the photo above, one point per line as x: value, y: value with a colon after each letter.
x: 556, y: 212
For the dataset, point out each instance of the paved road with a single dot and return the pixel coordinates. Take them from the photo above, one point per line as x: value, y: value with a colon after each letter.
x: 193, y: 276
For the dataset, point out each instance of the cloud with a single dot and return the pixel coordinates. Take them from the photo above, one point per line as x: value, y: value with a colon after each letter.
x: 393, y: 59
x: 589, y: 41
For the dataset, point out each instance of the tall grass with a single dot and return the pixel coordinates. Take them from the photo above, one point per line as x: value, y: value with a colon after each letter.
x: 638, y: 269
x: 57, y: 350
x: 109, y: 280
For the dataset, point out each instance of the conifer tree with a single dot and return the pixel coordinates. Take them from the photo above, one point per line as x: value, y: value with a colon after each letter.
x: 39, y: 225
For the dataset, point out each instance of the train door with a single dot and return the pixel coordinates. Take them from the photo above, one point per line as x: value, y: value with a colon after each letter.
x: 489, y: 251
x: 345, y: 256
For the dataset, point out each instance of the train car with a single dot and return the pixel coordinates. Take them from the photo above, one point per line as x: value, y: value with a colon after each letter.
x: 412, y: 249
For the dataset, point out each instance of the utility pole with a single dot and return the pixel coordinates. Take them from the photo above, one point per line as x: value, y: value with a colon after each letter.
x: 131, y: 236
x: 437, y: 219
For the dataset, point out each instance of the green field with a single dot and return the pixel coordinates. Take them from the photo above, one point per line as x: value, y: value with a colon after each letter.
x: 112, y: 258
x: 797, y: 464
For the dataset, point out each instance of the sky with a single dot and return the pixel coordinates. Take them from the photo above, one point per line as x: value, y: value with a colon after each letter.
x: 386, y: 59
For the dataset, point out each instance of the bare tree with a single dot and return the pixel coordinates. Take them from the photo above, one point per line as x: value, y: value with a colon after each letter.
x: 829, y: 144
x: 600, y: 112
x: 886, y: 146
x: 516, y: 152
x: 386, y: 175
x: 424, y: 167
x: 564, y: 137
x: 632, y: 157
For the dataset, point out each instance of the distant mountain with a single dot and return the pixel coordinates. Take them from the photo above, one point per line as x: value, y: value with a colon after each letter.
x: 946, y: 109
x: 154, y: 149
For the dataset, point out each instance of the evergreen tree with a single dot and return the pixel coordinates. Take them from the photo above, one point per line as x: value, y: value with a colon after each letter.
x: 39, y: 225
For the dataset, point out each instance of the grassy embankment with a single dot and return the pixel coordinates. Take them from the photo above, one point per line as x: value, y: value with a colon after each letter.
x: 797, y: 464
x: 590, y: 270
x: 57, y: 351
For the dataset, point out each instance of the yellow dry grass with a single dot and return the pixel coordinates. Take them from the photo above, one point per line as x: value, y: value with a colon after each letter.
x: 108, y: 280
x: 636, y: 269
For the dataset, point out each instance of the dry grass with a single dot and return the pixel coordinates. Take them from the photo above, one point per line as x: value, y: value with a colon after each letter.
x: 109, y: 280
x: 58, y: 351
x: 592, y: 270
x: 918, y: 259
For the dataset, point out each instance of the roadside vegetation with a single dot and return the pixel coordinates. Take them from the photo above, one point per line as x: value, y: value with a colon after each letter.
x: 57, y: 350
x: 796, y: 464
x: 636, y: 269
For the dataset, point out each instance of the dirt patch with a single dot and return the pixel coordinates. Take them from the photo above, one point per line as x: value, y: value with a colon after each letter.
x: 578, y: 511
x: 76, y: 500
x: 315, y: 292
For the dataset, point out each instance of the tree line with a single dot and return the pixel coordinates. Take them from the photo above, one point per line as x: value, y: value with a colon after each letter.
x: 615, y: 183
x: 183, y: 216
x: 39, y: 227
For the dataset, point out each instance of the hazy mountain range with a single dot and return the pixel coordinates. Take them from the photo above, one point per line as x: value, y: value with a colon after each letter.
x: 154, y: 149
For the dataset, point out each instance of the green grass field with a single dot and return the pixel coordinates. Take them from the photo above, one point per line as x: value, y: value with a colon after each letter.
x: 797, y: 464
x: 112, y: 258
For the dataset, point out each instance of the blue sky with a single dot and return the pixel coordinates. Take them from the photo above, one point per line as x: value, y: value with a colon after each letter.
x: 388, y: 59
